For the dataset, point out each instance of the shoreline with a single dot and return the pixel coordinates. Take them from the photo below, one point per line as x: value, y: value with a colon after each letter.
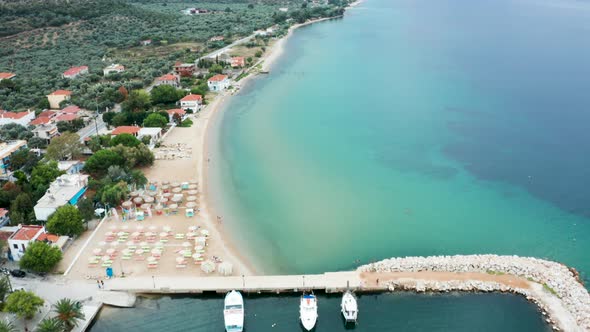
x: 553, y: 287
x: 216, y: 110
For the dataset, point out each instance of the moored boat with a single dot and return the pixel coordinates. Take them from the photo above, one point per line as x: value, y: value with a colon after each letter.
x: 349, y: 307
x: 233, y: 312
x: 308, y: 311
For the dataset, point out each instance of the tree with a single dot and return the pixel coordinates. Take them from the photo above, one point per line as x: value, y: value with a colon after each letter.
x: 120, y: 119
x: 258, y: 54
x: 250, y: 6
x: 86, y: 209
x: 37, y: 143
x: 138, y: 100
x: 142, y: 155
x: 40, y: 257
x: 41, y: 176
x: 65, y: 146
x: 100, y: 162
x: 20, y: 209
x: 4, y: 288
x: 50, y: 325
x: 155, y: 120
x: 165, y: 94
x: 113, y: 194
x: 126, y: 140
x: 107, y: 117
x: 216, y: 69
x: 24, y: 304
x: 7, y: 326
x: 66, y: 220
x: 69, y: 312
x: 137, y: 178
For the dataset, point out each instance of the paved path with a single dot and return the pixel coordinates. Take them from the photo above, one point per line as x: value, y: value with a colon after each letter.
x: 327, y: 281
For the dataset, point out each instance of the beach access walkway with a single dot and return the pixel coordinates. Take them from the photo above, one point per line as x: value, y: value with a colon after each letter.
x: 329, y: 282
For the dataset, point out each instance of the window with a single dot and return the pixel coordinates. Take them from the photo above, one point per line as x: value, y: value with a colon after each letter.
x: 15, y: 246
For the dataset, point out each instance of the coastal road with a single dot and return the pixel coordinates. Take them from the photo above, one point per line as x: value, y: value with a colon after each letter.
x: 226, y: 48
x: 90, y: 129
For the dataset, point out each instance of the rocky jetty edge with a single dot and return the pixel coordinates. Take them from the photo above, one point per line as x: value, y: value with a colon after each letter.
x: 554, y: 287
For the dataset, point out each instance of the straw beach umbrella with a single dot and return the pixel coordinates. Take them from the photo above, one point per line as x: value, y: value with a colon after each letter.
x: 192, y: 192
x: 225, y: 268
x: 192, y: 186
x: 167, y: 195
x: 163, y: 234
x: 175, y: 184
x: 180, y: 260
x: 127, y: 204
x: 97, y: 251
x: 134, y: 193
x: 165, y: 183
x: 191, y: 205
x: 149, y: 199
x: 204, y: 232
x: 137, y: 200
x: 191, y: 198
x: 208, y: 266
x: 176, y: 190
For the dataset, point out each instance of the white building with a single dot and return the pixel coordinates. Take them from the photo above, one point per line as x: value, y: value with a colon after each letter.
x: 70, y: 166
x: 20, y: 240
x: 66, y: 189
x: 154, y: 133
x: 218, y: 83
x: 6, y: 151
x: 192, y: 102
x: 21, y: 118
x: 114, y: 68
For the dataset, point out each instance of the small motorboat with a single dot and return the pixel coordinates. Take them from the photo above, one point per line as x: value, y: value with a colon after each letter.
x: 233, y: 312
x: 349, y: 307
x: 308, y: 311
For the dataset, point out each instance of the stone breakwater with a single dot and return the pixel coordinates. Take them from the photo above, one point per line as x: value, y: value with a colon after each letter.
x: 553, y: 286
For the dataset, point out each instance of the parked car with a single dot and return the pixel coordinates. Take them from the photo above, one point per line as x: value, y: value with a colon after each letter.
x: 18, y: 273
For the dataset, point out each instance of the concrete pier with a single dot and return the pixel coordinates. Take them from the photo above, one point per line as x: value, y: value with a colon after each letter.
x: 329, y: 282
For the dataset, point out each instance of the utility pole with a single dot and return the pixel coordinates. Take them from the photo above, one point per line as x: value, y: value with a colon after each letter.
x: 95, y: 117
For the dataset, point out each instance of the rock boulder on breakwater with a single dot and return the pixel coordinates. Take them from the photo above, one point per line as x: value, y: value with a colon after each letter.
x: 558, y: 287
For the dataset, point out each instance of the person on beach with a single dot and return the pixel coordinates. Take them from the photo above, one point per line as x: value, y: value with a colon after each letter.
x: 102, y: 283
x: 98, y: 283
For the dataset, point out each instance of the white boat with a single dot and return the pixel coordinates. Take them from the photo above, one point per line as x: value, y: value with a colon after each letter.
x: 349, y: 307
x: 308, y: 311
x: 233, y: 312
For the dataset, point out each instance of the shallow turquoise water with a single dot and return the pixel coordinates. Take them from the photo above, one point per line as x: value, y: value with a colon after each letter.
x: 415, y: 128
x: 400, y: 312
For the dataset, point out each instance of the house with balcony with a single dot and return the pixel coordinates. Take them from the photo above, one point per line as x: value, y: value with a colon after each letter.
x: 132, y: 130
x: 47, y: 130
x: 168, y: 79
x: 184, y: 69
x: 218, y: 82
x: 24, y: 235
x: 191, y: 102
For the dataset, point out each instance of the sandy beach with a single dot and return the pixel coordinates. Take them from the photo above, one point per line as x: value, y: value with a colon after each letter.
x: 190, y: 163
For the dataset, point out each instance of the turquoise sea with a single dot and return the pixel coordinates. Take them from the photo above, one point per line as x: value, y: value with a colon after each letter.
x: 414, y: 127
x: 408, y: 127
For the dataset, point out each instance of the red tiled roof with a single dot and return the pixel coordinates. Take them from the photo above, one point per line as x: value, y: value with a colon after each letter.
x: 167, y: 77
x: 46, y: 114
x: 3, y: 212
x: 75, y: 70
x: 4, y: 76
x: 238, y: 61
x: 48, y: 236
x: 40, y: 120
x: 217, y: 78
x: 192, y: 97
x: 176, y: 111
x: 125, y: 130
x: 66, y: 117
x: 26, y: 232
x: 62, y: 92
x: 13, y: 115
x: 71, y: 109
